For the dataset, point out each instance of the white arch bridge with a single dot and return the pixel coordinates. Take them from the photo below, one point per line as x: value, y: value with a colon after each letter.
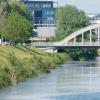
x: 77, y: 39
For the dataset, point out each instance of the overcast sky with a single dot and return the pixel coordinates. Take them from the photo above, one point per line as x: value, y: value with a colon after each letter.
x: 89, y: 6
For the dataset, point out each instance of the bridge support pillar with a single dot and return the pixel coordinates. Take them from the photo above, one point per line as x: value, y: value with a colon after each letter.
x: 82, y: 39
x: 98, y: 35
x: 90, y: 37
x: 74, y: 41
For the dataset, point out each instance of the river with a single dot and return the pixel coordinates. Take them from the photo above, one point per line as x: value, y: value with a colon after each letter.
x: 73, y: 81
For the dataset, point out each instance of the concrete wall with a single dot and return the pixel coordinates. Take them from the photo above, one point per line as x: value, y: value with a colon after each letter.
x: 0, y: 41
x: 48, y: 49
x: 46, y: 31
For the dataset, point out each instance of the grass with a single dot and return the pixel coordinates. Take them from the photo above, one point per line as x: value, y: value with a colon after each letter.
x: 18, y: 63
x: 19, y: 51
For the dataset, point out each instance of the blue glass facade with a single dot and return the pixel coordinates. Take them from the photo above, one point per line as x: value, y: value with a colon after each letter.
x: 42, y: 11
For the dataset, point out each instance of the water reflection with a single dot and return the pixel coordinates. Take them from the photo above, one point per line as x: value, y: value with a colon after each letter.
x: 78, y: 80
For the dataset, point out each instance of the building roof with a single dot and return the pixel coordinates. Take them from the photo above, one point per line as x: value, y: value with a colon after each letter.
x: 37, y: 0
x: 96, y: 17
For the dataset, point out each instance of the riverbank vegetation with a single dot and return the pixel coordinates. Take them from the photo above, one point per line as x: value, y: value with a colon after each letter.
x: 81, y: 54
x: 18, y: 63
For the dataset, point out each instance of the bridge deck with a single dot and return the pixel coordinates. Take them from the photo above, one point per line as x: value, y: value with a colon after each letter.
x: 91, y: 29
x: 67, y: 45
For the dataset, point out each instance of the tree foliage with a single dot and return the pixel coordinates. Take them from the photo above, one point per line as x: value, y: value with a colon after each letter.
x: 16, y: 21
x: 17, y: 28
x: 69, y: 19
x: 2, y: 19
x: 15, y: 6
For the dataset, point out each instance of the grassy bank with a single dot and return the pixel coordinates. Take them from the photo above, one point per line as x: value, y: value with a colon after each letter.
x: 18, y: 63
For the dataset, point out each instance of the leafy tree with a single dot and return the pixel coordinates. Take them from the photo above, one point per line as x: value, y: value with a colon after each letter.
x: 17, y: 28
x: 2, y: 19
x: 21, y: 9
x: 9, y: 6
x: 69, y: 19
x: 3, y: 1
x: 15, y: 6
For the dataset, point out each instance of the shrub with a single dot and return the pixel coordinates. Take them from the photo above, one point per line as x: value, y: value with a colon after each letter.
x: 4, y: 77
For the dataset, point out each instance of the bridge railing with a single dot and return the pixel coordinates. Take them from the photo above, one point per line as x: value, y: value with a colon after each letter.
x: 43, y: 44
x: 54, y: 44
x: 82, y: 44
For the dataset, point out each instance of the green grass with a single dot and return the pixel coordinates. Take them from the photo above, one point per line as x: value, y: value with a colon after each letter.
x: 19, y: 51
x: 18, y: 63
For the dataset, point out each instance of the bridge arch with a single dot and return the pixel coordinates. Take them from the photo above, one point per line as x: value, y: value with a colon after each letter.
x: 82, y: 32
x: 66, y: 41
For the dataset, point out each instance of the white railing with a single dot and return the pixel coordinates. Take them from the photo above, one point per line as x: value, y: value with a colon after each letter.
x: 82, y: 44
x: 42, y: 44
x: 69, y: 44
x: 39, y: 25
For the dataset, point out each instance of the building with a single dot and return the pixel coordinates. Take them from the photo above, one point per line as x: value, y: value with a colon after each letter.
x: 43, y: 13
x: 94, y: 18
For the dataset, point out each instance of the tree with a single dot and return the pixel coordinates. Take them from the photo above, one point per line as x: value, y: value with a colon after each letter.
x: 6, y: 9
x: 15, y: 6
x: 69, y: 19
x: 2, y: 19
x: 21, y: 9
x: 7, y: 6
x: 3, y: 1
x: 17, y: 28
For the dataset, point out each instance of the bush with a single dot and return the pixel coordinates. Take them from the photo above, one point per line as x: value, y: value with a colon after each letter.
x: 13, y: 60
x: 21, y: 69
x: 4, y: 77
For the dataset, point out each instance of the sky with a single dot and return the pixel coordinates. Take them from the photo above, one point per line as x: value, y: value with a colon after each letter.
x: 89, y: 6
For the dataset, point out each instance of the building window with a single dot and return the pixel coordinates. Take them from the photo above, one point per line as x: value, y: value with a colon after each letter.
x: 50, y: 18
x: 43, y: 12
x: 37, y: 6
x: 48, y: 12
x: 46, y: 5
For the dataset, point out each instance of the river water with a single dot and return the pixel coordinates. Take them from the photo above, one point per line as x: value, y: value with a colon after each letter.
x: 73, y: 81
